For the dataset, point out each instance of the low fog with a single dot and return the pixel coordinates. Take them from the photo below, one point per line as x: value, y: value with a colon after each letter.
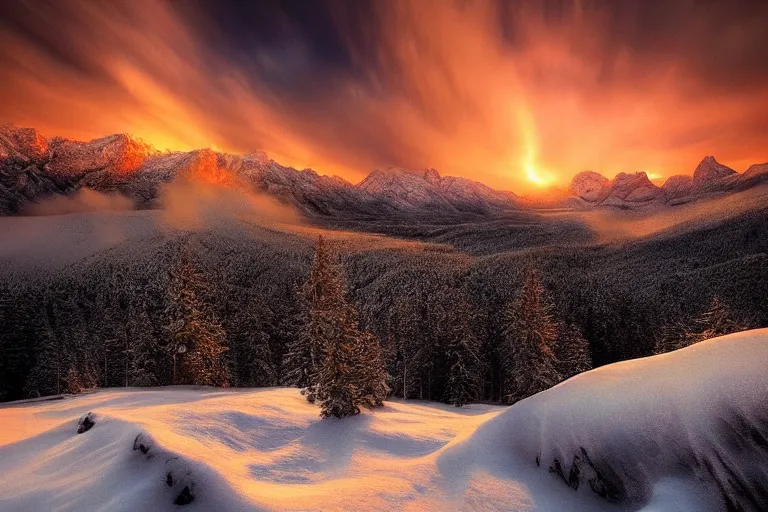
x: 84, y: 200
x: 623, y: 225
x: 190, y: 203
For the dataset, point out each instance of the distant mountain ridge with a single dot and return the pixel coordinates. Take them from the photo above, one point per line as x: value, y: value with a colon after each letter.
x: 33, y: 168
x: 636, y: 190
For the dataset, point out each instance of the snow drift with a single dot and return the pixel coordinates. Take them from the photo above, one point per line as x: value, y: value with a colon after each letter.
x: 685, y: 431
x: 688, y: 427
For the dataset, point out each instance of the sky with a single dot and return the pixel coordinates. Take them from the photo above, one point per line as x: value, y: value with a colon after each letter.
x: 520, y: 95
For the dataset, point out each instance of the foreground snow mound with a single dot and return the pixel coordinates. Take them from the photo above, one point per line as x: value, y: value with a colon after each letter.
x: 684, y: 430
x: 112, y: 465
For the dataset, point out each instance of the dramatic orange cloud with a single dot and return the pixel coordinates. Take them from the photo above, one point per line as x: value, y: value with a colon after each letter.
x: 519, y: 95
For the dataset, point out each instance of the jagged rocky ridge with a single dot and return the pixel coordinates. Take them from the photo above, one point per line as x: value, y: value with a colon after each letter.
x: 33, y: 168
x: 636, y: 190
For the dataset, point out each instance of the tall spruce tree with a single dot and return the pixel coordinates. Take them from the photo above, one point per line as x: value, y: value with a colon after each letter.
x: 530, y: 334
x: 304, y: 354
x: 197, y: 341
x: 672, y: 337
x: 342, y: 367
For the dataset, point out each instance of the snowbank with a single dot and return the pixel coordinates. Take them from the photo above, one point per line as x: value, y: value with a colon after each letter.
x: 686, y: 430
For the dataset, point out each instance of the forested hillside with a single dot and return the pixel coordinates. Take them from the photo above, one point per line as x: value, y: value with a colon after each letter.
x: 104, y: 319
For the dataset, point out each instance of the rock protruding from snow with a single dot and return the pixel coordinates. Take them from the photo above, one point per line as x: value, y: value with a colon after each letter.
x: 710, y: 170
x: 86, y: 423
x: 696, y: 416
x: 143, y: 443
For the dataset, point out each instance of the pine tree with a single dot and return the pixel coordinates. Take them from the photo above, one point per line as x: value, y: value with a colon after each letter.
x: 462, y: 349
x: 716, y: 321
x: 143, y: 352
x: 337, y: 383
x: 572, y: 351
x: 197, y: 340
x: 13, y: 345
x: 304, y: 355
x: 342, y: 367
x: 373, y: 376
x: 406, y: 329
x: 250, y: 356
x: 673, y: 336
x: 463, y: 370
x: 47, y: 376
x: 530, y: 333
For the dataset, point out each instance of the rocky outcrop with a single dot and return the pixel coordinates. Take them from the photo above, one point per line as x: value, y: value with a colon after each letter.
x: 636, y: 190
x: 677, y: 186
x: 590, y: 186
x: 22, y: 144
x: 632, y: 188
x: 756, y: 171
x: 625, y: 190
x: 710, y: 170
x: 409, y: 190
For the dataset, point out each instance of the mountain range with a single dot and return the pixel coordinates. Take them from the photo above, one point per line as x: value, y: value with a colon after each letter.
x: 33, y: 167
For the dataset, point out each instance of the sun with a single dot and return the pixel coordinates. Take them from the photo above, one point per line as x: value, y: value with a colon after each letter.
x: 537, y: 177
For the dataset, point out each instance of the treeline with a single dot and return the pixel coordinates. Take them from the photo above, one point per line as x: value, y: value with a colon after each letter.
x: 230, y: 310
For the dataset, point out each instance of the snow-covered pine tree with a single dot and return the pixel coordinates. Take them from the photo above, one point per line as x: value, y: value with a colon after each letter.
x: 197, y: 340
x: 249, y: 356
x: 143, y: 352
x: 718, y: 320
x: 673, y: 336
x: 373, y: 371
x: 337, y: 384
x: 572, y: 351
x: 463, y: 370
x: 303, y: 357
x: 530, y: 334
x: 462, y: 349
x: 46, y: 377
x: 342, y: 367
x: 15, y: 351
x: 406, y: 329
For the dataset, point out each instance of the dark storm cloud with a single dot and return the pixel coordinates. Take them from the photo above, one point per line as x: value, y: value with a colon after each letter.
x: 511, y: 93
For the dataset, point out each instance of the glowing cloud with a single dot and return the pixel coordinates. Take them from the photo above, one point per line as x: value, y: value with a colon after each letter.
x: 515, y: 94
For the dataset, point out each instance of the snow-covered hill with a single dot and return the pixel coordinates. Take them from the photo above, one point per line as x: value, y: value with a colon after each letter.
x: 682, y: 431
x: 686, y: 430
